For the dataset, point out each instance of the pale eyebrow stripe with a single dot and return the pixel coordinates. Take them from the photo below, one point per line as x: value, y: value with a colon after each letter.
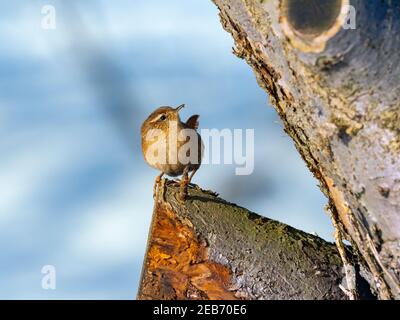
x: 155, y: 119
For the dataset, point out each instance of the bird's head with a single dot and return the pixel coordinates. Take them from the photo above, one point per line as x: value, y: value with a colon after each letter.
x: 161, y: 118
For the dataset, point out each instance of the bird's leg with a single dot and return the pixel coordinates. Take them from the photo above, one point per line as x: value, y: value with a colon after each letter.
x: 156, y: 183
x: 183, y: 185
x: 191, y: 176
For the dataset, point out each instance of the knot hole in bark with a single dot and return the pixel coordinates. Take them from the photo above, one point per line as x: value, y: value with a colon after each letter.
x: 309, y: 24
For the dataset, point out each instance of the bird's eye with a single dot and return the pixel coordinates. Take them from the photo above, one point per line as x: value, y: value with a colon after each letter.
x: 163, y: 117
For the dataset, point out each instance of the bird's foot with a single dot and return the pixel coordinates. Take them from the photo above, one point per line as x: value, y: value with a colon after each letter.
x: 183, y: 191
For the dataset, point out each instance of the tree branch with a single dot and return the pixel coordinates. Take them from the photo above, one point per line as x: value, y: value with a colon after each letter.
x: 337, y: 92
x: 208, y: 248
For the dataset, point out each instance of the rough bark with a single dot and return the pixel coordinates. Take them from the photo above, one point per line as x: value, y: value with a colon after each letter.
x: 337, y: 92
x: 208, y: 248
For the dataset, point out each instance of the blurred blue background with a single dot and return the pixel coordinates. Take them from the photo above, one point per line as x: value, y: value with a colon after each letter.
x: 74, y: 190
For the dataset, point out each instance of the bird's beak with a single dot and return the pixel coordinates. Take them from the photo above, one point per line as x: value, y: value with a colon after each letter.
x: 180, y: 107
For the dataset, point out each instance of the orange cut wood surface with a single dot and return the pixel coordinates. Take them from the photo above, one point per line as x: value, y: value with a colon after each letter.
x: 177, y: 265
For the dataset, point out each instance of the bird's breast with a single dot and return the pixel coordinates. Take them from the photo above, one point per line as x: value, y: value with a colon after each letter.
x: 170, y: 153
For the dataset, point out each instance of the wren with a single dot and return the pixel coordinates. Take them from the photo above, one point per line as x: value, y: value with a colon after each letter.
x: 171, y: 146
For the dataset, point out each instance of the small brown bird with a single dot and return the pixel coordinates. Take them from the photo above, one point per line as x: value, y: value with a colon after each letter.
x: 172, y: 146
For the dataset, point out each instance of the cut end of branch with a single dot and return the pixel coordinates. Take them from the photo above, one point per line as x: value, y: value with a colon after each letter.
x: 177, y: 266
x: 207, y: 248
x: 309, y: 24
